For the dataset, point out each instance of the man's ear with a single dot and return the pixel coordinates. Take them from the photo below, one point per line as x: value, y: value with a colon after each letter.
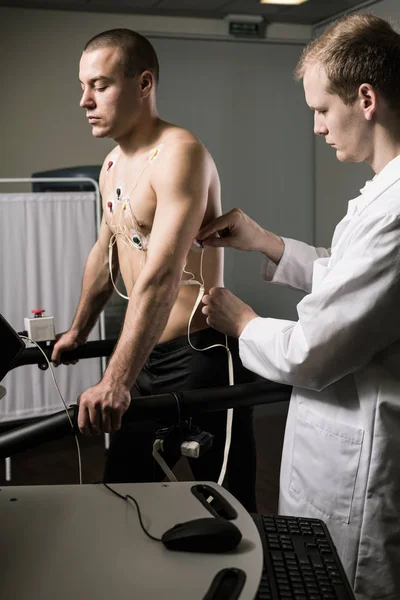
x: 367, y: 97
x: 146, y: 82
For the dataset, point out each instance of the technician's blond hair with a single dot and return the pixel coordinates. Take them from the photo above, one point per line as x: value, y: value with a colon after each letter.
x: 356, y: 49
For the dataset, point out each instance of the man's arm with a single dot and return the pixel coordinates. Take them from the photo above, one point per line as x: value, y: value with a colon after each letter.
x: 181, y: 183
x: 96, y: 291
x: 287, y: 262
x: 295, y: 268
x: 237, y: 230
x: 347, y: 320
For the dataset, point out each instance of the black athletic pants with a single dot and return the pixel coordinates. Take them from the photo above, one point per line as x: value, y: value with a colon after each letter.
x: 174, y: 366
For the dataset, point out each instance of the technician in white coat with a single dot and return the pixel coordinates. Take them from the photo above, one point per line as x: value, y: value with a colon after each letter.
x: 341, y: 456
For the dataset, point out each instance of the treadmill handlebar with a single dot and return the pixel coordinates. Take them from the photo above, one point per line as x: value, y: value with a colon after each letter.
x: 95, y: 349
x: 171, y: 407
x: 44, y: 430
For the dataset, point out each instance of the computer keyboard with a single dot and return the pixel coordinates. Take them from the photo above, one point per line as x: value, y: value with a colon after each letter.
x: 300, y: 561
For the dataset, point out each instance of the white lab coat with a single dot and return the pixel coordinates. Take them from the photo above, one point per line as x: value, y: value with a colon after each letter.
x: 341, y: 455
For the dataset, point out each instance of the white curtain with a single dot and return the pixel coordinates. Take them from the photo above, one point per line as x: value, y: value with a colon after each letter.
x: 45, y: 239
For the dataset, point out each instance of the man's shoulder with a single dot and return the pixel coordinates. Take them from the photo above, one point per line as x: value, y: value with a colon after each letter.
x: 178, y: 136
x: 389, y: 201
x: 182, y: 143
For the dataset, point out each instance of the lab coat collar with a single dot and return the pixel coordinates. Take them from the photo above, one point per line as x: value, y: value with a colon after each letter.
x: 379, y: 184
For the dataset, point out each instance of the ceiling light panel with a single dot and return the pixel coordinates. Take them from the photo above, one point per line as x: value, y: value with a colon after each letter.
x: 283, y: 2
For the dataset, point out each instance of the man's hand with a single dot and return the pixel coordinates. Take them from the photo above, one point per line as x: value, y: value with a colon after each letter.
x: 66, y: 341
x: 101, y: 408
x: 237, y: 230
x: 225, y: 312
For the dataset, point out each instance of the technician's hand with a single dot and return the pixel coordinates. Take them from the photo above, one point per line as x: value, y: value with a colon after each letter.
x: 101, y: 408
x: 237, y: 230
x: 225, y: 312
x: 65, y: 341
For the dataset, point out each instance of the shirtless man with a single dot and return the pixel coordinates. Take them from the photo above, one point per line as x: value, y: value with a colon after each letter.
x: 159, y: 187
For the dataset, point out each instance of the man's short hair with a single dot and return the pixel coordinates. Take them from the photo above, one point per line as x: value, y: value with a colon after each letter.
x: 356, y: 49
x: 137, y: 52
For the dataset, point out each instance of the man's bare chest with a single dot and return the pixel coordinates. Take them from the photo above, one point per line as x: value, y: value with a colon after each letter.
x: 129, y: 204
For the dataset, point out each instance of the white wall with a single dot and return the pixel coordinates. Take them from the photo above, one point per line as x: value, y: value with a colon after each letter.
x: 336, y: 183
x: 41, y: 124
x: 238, y: 97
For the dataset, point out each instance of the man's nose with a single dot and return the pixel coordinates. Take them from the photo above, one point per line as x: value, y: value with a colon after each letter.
x: 319, y: 126
x: 87, y: 100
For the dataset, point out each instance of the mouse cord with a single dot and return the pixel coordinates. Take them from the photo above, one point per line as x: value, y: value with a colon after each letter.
x: 128, y: 497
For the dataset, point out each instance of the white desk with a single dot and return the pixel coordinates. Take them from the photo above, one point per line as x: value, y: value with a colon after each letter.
x: 85, y: 543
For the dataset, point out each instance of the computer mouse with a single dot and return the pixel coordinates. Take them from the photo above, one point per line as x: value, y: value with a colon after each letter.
x: 203, y: 535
